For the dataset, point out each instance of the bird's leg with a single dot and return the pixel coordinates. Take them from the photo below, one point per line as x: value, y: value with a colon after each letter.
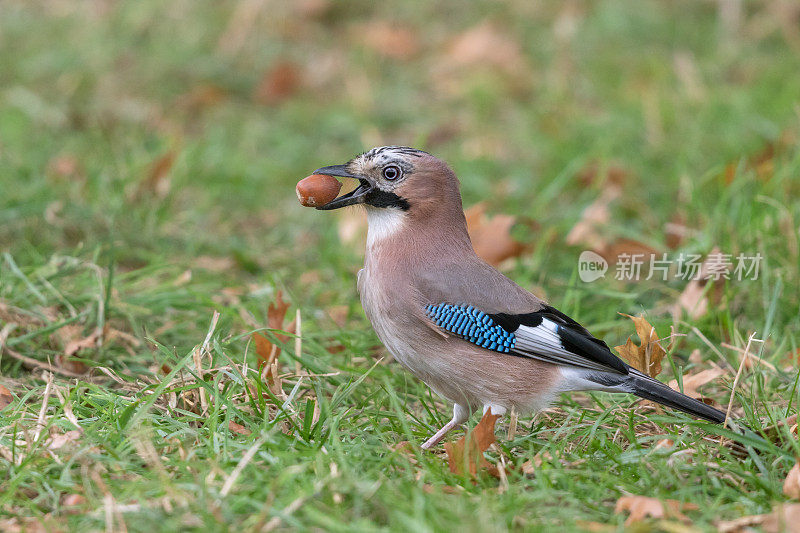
x: 460, y: 415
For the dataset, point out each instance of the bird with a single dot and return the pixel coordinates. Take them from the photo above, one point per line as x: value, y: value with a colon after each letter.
x: 469, y: 332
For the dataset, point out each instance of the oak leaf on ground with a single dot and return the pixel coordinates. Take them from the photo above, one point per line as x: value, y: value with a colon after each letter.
x: 266, y: 351
x: 791, y: 485
x: 641, y: 507
x: 235, y: 427
x: 647, y: 356
x: 5, y: 397
x: 468, y: 450
x: 491, y: 236
x: 692, y: 382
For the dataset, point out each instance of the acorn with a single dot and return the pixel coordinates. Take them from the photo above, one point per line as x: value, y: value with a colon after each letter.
x: 317, y: 190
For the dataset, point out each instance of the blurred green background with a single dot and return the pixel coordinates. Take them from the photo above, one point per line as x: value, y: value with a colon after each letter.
x: 148, y: 155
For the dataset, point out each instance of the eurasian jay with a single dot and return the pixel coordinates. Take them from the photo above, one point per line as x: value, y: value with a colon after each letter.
x: 470, y: 333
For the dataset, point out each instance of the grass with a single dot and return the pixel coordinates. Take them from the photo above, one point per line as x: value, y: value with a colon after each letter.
x: 92, y: 95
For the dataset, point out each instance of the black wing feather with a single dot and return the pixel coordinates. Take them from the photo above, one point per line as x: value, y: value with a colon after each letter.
x: 574, y: 337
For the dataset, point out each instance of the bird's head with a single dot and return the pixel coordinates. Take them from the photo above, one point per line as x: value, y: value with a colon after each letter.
x: 397, y: 178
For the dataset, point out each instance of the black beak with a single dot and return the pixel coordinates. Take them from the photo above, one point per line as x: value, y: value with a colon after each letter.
x: 358, y: 196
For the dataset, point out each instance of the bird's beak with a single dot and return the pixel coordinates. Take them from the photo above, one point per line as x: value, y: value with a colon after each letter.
x: 358, y: 196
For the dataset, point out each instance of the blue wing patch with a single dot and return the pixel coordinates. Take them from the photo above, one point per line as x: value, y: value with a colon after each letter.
x: 472, y: 325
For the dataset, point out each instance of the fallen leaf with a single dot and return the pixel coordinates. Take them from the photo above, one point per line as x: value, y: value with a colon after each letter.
x: 407, y: 449
x: 491, y: 236
x: 157, y: 182
x: 65, y: 166
x: 676, y: 231
x: 71, y: 500
x: 278, y: 83
x: 784, y: 519
x: 588, y: 231
x: 468, y: 450
x: 5, y: 397
x: 530, y: 466
x: 201, y: 97
x: 85, y: 343
x: 740, y: 525
x: 238, y: 428
x: 447, y: 489
x: 59, y: 441
x: 483, y: 45
x: 646, y: 357
x: 692, y: 382
x: 266, y: 351
x: 791, y: 486
x: 389, y: 39
x: 630, y: 249
x: 641, y: 507
x: 214, y: 264
x: 692, y: 300
x: 71, y: 338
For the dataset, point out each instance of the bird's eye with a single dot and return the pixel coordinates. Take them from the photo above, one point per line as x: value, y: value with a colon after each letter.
x: 391, y: 172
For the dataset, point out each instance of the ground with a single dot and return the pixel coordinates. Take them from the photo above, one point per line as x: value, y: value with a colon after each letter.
x: 148, y: 155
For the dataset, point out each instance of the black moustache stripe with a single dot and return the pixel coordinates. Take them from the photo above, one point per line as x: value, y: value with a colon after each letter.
x: 379, y: 198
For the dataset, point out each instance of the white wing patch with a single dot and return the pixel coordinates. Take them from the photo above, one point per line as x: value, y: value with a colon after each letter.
x: 543, y: 342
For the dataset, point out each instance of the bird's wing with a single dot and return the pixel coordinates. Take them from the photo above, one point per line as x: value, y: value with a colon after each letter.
x: 547, y: 334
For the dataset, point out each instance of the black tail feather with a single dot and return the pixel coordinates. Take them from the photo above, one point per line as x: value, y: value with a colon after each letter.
x: 651, y: 389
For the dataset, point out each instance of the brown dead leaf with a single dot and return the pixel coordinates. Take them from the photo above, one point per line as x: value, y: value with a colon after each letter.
x: 280, y: 82
x: 72, y: 500
x: 85, y: 343
x: 784, y: 518
x: 664, y: 443
x: 588, y: 230
x: 491, y: 236
x: 447, y: 489
x: 641, y: 507
x: 484, y: 45
x: 65, y: 166
x: 5, y: 397
x: 692, y: 300
x: 389, y: 39
x: 266, y: 351
x: 157, y: 182
x: 693, y: 382
x: 630, y: 248
x: 59, y: 441
x: 72, y: 341
x: 470, y: 452
x: 214, y: 264
x: 791, y: 486
x: 646, y: 357
x: 238, y: 428
x: 201, y: 97
x: 676, y: 231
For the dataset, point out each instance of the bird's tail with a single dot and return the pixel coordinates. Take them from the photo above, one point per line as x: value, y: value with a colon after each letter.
x: 651, y: 389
